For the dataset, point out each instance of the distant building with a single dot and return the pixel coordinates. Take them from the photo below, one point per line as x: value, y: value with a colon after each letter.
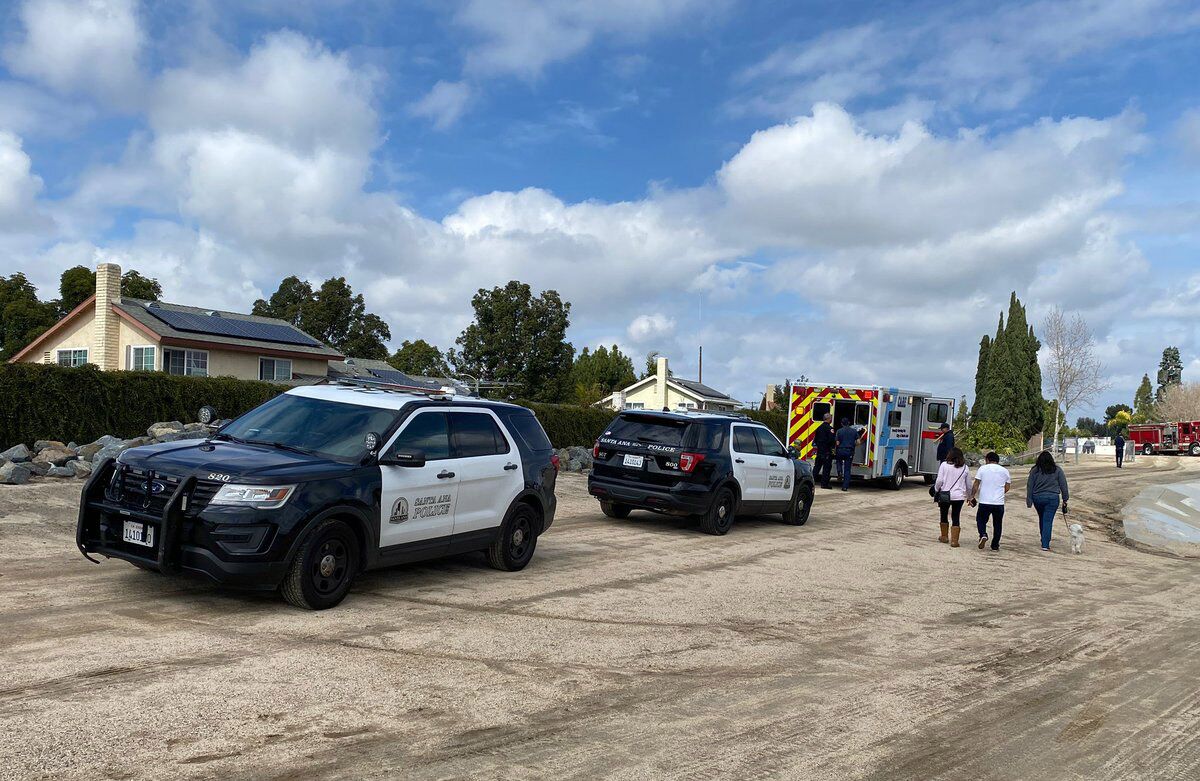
x: 368, y: 369
x: 128, y: 334
x: 661, y: 389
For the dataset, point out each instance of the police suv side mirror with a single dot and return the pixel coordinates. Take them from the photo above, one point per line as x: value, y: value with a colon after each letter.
x: 404, y: 457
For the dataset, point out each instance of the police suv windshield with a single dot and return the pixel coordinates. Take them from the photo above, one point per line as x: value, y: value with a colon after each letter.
x: 326, y: 428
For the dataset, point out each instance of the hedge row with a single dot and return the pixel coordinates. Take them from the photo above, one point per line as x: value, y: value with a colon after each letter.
x: 84, y: 403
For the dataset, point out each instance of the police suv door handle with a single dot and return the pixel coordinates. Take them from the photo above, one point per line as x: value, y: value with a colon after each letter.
x: 444, y: 475
x: 509, y: 467
x: 738, y: 461
x: 774, y: 464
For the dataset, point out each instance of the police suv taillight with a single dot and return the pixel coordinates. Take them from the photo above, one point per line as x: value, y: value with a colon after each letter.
x: 689, y: 461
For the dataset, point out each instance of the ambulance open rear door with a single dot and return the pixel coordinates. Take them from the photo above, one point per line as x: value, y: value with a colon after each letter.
x: 934, y: 412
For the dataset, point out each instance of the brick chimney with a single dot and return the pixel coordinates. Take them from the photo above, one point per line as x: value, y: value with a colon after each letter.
x: 660, y: 384
x: 106, y: 332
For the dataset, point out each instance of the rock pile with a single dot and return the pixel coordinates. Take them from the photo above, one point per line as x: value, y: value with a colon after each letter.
x: 52, y: 458
x: 574, y: 459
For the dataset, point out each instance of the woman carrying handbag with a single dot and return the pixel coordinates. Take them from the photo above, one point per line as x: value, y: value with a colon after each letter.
x: 950, y: 492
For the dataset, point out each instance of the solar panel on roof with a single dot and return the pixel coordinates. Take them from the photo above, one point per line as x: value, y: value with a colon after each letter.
x: 227, y: 326
x: 399, y: 378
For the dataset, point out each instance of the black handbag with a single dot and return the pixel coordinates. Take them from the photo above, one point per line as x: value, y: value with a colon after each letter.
x: 943, y: 497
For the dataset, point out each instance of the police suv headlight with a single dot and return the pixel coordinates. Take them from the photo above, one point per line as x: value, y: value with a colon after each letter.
x: 266, y: 497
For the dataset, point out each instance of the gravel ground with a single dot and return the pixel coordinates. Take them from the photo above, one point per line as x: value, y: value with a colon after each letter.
x: 854, y: 647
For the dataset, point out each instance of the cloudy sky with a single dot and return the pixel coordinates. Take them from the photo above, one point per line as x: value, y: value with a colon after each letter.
x: 849, y: 194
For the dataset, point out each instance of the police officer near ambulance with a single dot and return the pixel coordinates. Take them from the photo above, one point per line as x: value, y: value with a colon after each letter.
x: 945, y: 442
x: 824, y: 441
x: 847, y: 439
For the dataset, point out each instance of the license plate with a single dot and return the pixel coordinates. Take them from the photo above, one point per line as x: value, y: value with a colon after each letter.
x: 637, y: 462
x: 138, y: 533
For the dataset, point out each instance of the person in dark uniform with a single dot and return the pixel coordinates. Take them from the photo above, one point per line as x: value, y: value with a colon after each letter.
x: 824, y: 441
x: 945, y: 442
x: 847, y: 440
x: 1119, y: 444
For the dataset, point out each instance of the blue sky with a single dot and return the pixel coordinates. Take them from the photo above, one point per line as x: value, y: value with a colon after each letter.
x: 851, y: 192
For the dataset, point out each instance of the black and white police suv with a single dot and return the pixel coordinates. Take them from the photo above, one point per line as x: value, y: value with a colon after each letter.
x: 320, y: 483
x: 715, y: 466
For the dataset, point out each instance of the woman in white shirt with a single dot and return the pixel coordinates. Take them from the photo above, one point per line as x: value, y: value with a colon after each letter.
x: 953, y: 480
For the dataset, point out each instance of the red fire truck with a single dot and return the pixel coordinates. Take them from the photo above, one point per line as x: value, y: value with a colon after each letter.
x: 1158, y: 438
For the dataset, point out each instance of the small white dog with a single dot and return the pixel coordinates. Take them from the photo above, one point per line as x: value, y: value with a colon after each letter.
x: 1076, y: 537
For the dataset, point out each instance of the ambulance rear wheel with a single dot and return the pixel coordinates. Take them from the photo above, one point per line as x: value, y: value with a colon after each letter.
x: 1147, y: 450
x: 897, y: 479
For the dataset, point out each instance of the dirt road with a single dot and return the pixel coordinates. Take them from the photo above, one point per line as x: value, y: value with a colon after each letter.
x: 854, y: 647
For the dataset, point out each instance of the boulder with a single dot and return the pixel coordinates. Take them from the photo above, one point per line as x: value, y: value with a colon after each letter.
x: 89, y: 451
x: 80, y: 468
x: 135, y: 442
x: 73, y: 446
x: 60, y: 471
x: 12, y: 473
x: 111, y: 451
x: 55, y: 456
x: 42, y: 444
x: 39, y: 467
x: 195, y: 427
x: 157, y: 430
x: 17, y: 454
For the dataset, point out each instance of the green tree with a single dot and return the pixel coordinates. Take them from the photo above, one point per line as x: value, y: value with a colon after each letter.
x: 1008, y: 385
x: 22, y: 316
x: 1112, y: 409
x: 985, y: 349
x: 1170, y: 371
x: 1143, y: 402
x: 1119, y: 423
x: 594, y: 375
x: 134, y: 285
x: 962, y: 418
x: 519, y: 339
x: 366, y: 337
x: 74, y: 287
x: 419, y: 358
x: 287, y: 302
x: 652, y: 365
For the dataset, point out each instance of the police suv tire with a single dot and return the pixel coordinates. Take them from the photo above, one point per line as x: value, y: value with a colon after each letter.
x: 514, y: 545
x: 322, y: 570
x: 615, y: 510
x: 798, y: 512
x: 719, y: 518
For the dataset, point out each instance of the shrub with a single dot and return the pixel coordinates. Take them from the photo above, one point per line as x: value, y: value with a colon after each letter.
x: 776, y: 420
x: 984, y: 435
x: 82, y: 404
x: 568, y: 425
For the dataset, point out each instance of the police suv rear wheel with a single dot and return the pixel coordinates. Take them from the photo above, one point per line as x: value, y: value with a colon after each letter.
x: 615, y: 510
x: 797, y: 514
x: 719, y: 518
x: 513, y: 547
x: 320, y: 575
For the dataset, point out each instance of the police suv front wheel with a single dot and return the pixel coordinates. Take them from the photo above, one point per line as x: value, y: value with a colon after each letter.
x: 797, y: 514
x: 323, y: 568
x: 513, y: 547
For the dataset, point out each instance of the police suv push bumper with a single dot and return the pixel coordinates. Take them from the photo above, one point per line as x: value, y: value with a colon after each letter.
x: 100, y: 529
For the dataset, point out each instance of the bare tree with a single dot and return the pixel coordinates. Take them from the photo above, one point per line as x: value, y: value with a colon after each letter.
x: 1179, y: 402
x: 1073, y: 375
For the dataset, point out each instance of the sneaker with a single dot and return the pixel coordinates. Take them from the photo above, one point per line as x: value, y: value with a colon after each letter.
x: 845, y: 489
x: 995, y: 546
x: 1046, y: 549
x: 982, y: 542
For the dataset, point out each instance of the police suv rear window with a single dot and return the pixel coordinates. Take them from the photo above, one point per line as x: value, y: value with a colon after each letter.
x: 476, y: 434
x: 529, y: 430
x: 649, y: 430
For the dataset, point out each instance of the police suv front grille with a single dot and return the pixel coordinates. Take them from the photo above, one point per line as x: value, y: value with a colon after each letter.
x: 149, y: 491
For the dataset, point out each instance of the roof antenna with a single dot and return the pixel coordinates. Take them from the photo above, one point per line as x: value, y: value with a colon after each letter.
x: 700, y: 330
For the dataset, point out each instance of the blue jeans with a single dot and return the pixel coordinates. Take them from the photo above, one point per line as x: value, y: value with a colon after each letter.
x: 1046, y: 506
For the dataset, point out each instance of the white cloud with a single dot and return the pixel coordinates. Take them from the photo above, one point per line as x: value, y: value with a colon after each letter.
x: 444, y: 103
x: 1187, y: 134
x: 646, y: 328
x: 89, y: 47
x: 19, y: 187
x: 521, y: 37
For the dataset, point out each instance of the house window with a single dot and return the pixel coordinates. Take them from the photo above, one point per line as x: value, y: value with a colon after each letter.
x: 190, y: 363
x: 141, y: 359
x: 686, y: 405
x: 72, y: 357
x: 274, y: 369
x: 635, y: 405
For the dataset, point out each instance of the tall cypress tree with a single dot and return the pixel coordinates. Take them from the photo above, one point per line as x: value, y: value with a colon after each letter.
x: 985, y: 347
x: 1034, y: 391
x: 1008, y: 380
x: 991, y: 398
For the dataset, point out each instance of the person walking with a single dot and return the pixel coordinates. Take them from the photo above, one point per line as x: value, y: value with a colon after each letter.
x: 825, y: 441
x: 950, y: 490
x: 846, y: 440
x: 1047, y: 484
x: 1119, y: 444
x: 945, y: 442
x: 992, y: 482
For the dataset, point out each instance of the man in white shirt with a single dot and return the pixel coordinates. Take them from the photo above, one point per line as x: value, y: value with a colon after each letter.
x: 992, y: 482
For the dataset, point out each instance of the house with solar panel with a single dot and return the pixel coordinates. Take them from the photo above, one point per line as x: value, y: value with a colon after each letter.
x: 663, y: 390
x: 128, y: 334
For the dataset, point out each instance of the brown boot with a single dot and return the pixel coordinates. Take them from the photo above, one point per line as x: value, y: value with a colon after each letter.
x: 943, y: 537
x: 954, y: 530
